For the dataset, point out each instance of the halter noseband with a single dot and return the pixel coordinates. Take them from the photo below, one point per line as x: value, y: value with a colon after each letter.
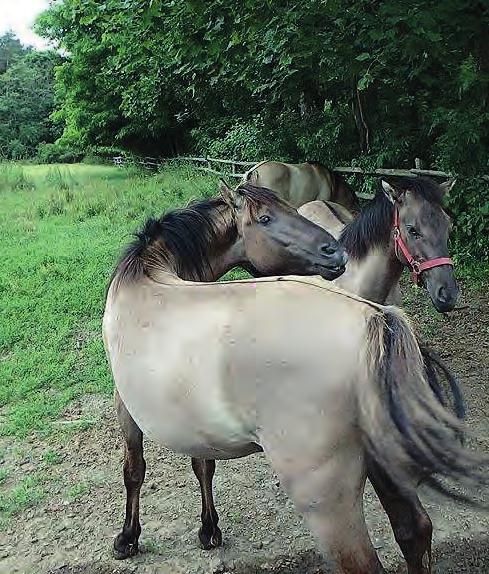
x: 417, y: 267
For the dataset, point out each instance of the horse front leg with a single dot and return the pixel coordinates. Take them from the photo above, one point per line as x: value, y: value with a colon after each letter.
x: 409, y: 520
x: 210, y: 535
x: 126, y: 543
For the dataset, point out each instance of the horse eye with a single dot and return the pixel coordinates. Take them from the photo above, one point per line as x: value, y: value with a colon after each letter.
x: 265, y: 219
x: 413, y: 232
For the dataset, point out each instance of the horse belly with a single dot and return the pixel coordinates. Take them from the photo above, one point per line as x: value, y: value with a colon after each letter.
x: 176, y: 399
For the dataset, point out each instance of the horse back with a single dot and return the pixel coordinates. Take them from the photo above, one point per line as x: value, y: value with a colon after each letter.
x: 273, y: 175
x: 329, y: 215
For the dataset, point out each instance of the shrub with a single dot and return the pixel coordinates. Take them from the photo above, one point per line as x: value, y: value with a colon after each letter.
x: 57, y: 153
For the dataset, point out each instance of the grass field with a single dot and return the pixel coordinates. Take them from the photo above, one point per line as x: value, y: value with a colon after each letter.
x: 62, y: 228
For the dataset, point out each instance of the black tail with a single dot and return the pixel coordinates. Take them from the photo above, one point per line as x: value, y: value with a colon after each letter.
x: 448, y: 397
x: 407, y: 430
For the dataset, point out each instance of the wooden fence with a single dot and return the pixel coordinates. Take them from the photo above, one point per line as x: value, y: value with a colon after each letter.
x: 237, y: 169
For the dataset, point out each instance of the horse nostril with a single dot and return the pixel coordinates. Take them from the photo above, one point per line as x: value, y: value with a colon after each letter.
x: 442, y: 295
x: 327, y: 249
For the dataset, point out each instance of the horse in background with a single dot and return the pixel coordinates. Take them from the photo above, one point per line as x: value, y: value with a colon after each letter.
x: 404, y: 226
x: 299, y: 183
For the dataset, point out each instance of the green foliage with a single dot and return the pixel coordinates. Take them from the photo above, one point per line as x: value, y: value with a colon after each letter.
x: 26, y: 99
x: 11, y: 51
x: 58, y: 152
x: 147, y: 74
x: 469, y: 202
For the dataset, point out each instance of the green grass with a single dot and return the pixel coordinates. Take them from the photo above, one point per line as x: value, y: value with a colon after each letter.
x: 62, y: 228
x: 27, y: 492
x: 4, y: 473
x: 51, y: 458
x: 77, y: 490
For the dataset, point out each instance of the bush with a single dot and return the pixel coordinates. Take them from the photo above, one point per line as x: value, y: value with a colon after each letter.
x: 96, y: 155
x: 57, y: 153
x: 469, y: 204
x: 316, y: 134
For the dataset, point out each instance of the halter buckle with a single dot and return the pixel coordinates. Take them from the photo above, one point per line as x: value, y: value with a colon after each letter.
x: 416, y: 266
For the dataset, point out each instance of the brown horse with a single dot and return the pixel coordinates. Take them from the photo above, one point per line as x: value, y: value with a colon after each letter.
x: 211, y: 370
x: 302, y: 182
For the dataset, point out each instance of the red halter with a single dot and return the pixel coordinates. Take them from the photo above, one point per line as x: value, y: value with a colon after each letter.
x: 417, y: 267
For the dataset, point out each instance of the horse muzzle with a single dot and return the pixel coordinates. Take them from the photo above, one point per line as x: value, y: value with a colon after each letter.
x: 442, y: 287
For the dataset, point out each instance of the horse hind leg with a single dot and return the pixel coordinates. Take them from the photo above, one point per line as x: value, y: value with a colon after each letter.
x: 210, y: 535
x: 409, y: 520
x: 330, y: 496
x: 126, y: 543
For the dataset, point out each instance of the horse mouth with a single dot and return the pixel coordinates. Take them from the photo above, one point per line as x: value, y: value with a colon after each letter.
x: 330, y: 272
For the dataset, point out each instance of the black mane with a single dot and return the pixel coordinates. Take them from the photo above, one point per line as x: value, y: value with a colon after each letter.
x: 186, y: 237
x: 373, y: 225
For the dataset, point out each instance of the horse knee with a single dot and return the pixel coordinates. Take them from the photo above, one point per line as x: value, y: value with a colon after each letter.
x: 414, y: 538
x: 134, y: 471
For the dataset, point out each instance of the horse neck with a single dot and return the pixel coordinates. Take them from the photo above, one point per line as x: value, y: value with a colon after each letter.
x: 374, y: 273
x: 221, y: 255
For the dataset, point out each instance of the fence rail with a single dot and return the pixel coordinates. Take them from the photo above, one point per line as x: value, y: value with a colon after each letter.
x: 237, y: 169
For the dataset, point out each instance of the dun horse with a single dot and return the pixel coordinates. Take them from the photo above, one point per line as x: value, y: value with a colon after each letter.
x: 212, y: 369
x: 302, y: 182
x: 404, y: 226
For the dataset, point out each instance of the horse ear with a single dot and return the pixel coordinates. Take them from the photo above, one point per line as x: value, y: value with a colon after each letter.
x: 446, y: 186
x: 230, y: 196
x: 392, y: 193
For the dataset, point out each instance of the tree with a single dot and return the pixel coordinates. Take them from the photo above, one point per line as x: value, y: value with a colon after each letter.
x: 11, y: 50
x: 334, y: 80
x: 26, y: 99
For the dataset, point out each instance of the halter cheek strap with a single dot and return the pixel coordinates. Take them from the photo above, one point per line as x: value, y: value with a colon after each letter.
x: 417, y: 267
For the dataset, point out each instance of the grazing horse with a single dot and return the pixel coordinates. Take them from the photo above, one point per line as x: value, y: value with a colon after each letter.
x: 404, y: 226
x: 299, y: 183
x: 211, y: 370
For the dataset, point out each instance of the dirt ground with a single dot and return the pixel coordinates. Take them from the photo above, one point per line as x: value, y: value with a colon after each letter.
x: 70, y: 530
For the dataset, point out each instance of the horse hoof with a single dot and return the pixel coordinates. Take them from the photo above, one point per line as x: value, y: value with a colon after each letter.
x: 123, y: 549
x: 208, y: 541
